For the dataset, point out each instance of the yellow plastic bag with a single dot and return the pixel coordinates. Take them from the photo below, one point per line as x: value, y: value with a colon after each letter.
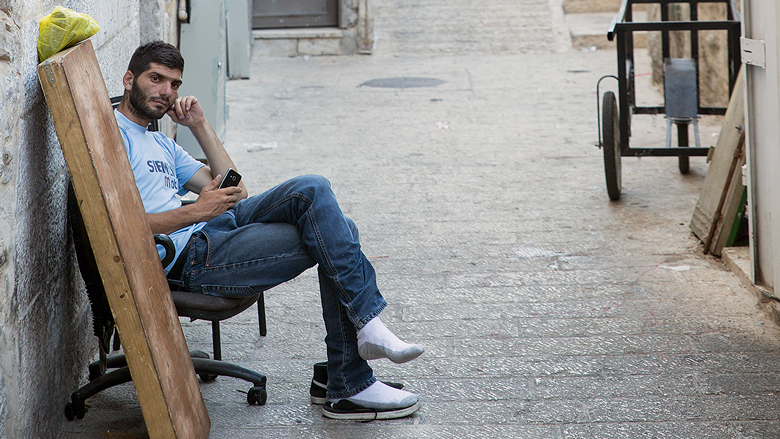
x: 63, y: 28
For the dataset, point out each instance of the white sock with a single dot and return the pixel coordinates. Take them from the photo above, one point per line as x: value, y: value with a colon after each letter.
x: 380, y: 396
x: 376, y: 341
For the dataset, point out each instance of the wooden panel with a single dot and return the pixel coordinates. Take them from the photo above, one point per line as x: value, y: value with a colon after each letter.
x: 718, y: 174
x: 121, y: 239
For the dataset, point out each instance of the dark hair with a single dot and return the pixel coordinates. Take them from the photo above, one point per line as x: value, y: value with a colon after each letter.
x: 158, y: 52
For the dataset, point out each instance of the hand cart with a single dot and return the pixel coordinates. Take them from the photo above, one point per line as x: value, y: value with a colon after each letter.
x: 681, y: 86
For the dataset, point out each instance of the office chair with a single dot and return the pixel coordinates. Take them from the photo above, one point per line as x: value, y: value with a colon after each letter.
x: 188, y: 304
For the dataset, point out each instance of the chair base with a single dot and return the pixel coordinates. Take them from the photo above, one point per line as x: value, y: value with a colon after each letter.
x: 206, y: 368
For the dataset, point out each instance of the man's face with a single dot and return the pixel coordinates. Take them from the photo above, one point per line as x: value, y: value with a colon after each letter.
x: 154, y: 91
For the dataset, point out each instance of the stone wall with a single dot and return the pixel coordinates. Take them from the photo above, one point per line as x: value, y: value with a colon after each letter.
x: 45, y: 328
x: 713, y: 50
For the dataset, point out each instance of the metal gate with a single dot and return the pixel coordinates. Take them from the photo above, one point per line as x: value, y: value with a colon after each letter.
x: 267, y: 14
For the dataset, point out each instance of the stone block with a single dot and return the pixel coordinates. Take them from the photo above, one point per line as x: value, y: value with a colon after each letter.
x: 276, y: 47
x: 348, y: 14
x: 27, y: 62
x: 115, y: 54
x: 585, y: 6
x: 322, y: 46
x: 112, y: 16
x: 294, y: 42
x: 160, y: 21
x: 349, y: 42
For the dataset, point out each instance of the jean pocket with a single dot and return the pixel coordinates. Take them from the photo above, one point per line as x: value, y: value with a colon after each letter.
x: 199, y: 249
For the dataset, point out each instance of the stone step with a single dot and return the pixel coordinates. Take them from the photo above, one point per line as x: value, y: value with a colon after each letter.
x: 587, y: 6
x: 303, y: 41
x: 589, y: 30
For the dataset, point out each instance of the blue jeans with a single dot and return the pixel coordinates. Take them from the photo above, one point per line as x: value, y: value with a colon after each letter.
x: 272, y: 237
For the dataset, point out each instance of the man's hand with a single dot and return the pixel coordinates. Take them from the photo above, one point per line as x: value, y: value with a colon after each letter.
x: 213, y: 202
x: 187, y: 111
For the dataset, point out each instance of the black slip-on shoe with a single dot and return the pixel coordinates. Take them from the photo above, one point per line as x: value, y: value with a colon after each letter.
x: 348, y: 410
x: 318, y: 392
x: 319, y: 384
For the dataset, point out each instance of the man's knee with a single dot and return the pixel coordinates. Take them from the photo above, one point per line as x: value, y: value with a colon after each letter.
x: 315, y: 188
x: 316, y: 182
x: 316, y: 185
x: 353, y: 228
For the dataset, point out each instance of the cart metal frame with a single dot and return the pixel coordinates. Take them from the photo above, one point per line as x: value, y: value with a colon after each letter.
x: 622, y: 28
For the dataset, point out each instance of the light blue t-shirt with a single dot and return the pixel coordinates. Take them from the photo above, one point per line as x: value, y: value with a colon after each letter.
x: 161, y: 168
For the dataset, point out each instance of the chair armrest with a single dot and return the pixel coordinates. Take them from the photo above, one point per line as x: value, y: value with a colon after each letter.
x: 163, y: 240
x: 170, y: 249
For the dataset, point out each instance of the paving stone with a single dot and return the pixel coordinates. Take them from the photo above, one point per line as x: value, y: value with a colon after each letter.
x: 756, y: 429
x: 665, y: 409
x: 547, y: 311
x: 625, y: 386
x: 739, y: 384
x: 591, y: 345
x: 714, y: 430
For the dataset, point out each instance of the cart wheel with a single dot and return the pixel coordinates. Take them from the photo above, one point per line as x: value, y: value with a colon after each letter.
x: 611, y: 130
x: 684, y: 162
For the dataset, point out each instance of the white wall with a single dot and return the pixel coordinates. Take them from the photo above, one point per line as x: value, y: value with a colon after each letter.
x: 45, y: 328
x: 762, y: 100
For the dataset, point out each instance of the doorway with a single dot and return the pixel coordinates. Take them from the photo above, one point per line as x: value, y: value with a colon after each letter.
x: 274, y: 14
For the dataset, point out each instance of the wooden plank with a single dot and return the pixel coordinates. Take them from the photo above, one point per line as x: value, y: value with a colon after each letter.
x: 732, y: 200
x: 121, y: 239
x: 735, y: 226
x: 718, y: 174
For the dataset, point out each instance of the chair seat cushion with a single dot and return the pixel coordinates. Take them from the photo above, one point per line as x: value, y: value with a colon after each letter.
x: 206, y: 307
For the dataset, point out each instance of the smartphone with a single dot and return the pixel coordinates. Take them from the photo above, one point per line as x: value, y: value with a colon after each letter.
x: 231, y: 179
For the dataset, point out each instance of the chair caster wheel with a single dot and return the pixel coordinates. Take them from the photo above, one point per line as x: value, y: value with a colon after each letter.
x: 69, y: 415
x: 208, y: 377
x: 94, y: 372
x: 257, y: 395
x: 75, y: 411
x: 205, y: 377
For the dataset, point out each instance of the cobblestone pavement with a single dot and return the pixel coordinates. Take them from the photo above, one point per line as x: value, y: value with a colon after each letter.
x: 547, y: 311
x: 465, y: 27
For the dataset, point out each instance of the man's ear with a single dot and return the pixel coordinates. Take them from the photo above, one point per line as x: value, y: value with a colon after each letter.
x: 127, y: 80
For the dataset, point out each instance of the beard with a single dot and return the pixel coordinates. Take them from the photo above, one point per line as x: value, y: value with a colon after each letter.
x: 139, y: 104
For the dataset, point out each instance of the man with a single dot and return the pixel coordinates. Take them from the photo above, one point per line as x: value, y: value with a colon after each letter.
x: 233, y: 246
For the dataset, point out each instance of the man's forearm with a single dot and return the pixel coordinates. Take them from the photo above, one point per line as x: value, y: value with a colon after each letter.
x: 218, y: 158
x: 188, y: 112
x: 176, y: 219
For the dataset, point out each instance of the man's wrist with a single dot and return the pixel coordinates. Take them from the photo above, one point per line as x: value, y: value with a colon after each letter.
x: 194, y: 213
x: 201, y: 128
